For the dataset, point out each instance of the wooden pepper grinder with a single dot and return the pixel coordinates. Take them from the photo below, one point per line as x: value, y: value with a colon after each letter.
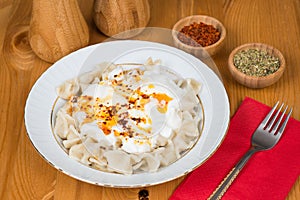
x: 57, y: 28
x: 116, y: 16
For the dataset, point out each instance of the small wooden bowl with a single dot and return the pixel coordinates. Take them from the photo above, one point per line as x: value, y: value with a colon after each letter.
x: 253, y: 81
x: 199, y: 51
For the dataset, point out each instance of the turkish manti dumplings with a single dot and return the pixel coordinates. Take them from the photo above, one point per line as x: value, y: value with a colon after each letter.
x: 129, y: 118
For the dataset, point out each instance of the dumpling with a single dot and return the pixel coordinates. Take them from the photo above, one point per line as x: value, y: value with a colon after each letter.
x: 189, y: 99
x: 161, y: 140
x: 92, y: 131
x: 92, y: 77
x: 149, y: 61
x: 73, y: 86
x: 68, y: 89
x: 181, y: 143
x: 63, y: 121
x: 195, y: 85
x: 71, y: 142
x: 168, y: 154
x: 174, y: 119
x: 79, y: 153
x: 72, y: 132
x: 102, y: 165
x: 150, y: 163
x: 118, y: 161
x: 110, y: 67
x: 189, y: 125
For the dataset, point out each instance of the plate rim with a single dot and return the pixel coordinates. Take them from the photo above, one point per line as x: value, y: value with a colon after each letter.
x: 93, y: 47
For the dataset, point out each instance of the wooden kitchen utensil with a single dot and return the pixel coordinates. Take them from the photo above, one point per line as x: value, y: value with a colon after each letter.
x: 57, y: 28
x: 113, y: 17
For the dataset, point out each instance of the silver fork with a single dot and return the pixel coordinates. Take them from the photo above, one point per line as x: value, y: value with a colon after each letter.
x: 265, y: 137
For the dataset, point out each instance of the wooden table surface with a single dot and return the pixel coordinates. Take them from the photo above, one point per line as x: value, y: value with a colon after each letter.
x: 25, y: 175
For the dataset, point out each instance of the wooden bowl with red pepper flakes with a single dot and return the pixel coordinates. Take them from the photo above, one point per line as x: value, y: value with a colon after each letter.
x: 256, y: 65
x: 199, y: 35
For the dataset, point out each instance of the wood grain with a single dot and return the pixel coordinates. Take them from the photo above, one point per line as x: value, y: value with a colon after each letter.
x: 57, y: 28
x: 25, y: 175
x: 113, y: 17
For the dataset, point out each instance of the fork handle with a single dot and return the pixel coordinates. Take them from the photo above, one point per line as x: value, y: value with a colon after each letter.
x: 224, y: 185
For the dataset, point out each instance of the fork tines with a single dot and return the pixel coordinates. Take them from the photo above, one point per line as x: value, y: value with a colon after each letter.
x: 277, y: 117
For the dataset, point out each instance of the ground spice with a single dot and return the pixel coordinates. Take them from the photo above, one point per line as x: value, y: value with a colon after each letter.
x: 199, y: 34
x: 254, y: 62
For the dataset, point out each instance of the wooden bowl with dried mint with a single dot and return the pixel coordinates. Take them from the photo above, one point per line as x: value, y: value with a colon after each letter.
x: 256, y: 65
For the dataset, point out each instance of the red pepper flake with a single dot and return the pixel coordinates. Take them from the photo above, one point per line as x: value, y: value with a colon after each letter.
x: 198, y: 35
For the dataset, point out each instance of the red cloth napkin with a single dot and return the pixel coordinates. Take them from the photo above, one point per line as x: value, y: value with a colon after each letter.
x: 268, y: 174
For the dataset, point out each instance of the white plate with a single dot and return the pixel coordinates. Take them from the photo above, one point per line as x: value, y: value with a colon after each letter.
x: 42, y: 98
